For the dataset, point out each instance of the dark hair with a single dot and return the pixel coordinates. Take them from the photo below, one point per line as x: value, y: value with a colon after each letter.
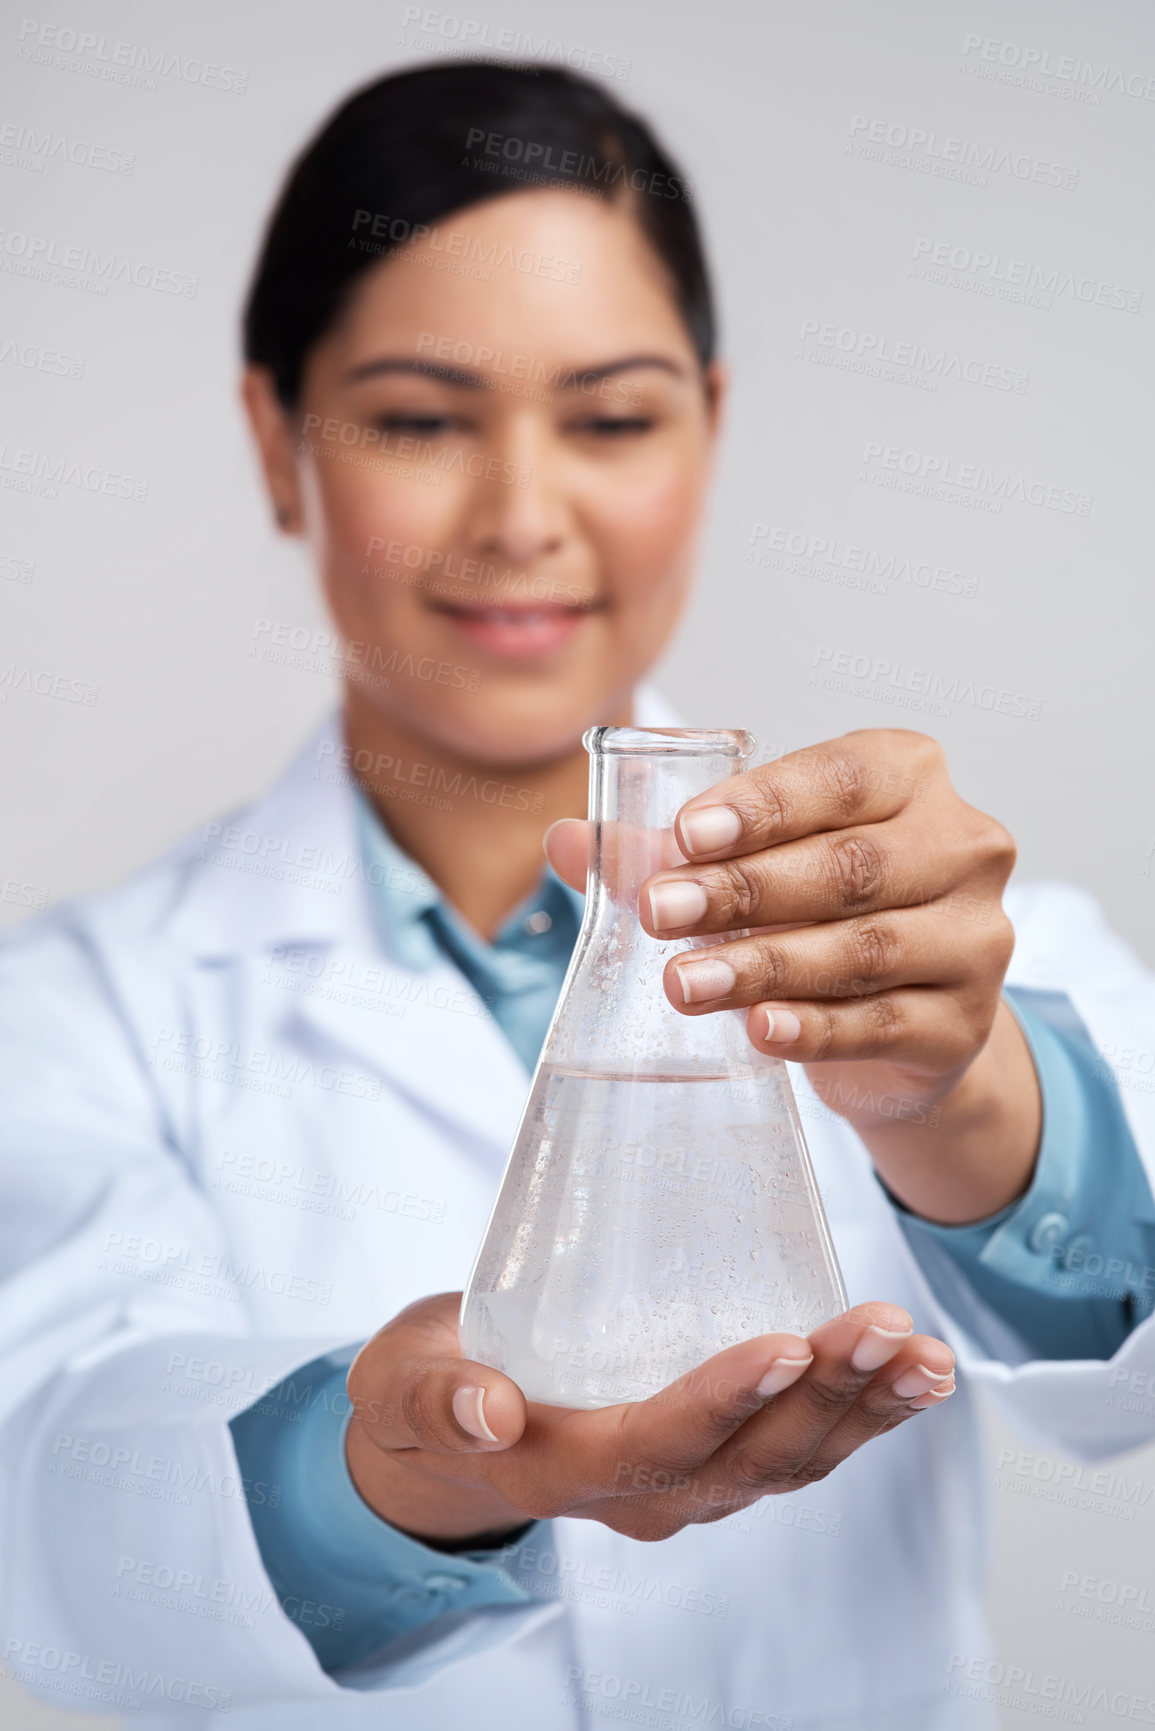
x: 411, y: 148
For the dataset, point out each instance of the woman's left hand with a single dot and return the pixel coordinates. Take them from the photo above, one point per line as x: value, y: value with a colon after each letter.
x: 876, y: 955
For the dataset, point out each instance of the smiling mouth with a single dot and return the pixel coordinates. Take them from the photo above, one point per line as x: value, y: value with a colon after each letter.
x: 522, y: 632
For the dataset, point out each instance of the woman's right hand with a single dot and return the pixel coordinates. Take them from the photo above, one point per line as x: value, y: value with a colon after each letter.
x: 447, y: 1449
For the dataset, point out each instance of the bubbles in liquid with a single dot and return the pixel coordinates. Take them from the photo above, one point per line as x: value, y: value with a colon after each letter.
x: 644, y: 1224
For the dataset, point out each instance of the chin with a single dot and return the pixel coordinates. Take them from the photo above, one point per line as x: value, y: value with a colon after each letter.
x: 528, y: 729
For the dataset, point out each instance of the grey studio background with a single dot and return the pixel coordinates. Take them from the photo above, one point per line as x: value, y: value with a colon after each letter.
x: 932, y: 232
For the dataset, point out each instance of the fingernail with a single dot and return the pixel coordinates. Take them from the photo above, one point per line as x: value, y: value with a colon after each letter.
x: 878, y: 1346
x: 781, y: 1374
x: 469, y: 1411
x: 709, y: 827
x: 918, y: 1380
x: 701, y: 981
x: 674, y: 905
x: 942, y: 1392
x: 782, y: 1026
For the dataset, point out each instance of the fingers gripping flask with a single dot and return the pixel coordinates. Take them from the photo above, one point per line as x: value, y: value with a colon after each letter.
x: 659, y: 1202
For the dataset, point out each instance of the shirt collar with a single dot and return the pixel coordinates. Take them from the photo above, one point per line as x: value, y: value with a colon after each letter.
x: 421, y: 924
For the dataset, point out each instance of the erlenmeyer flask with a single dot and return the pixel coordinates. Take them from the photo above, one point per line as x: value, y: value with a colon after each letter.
x: 659, y: 1202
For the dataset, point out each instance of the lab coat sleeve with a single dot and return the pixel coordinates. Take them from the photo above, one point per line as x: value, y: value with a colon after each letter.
x: 1089, y: 1408
x: 1065, y: 1263
x: 357, y: 1587
x: 132, y: 1576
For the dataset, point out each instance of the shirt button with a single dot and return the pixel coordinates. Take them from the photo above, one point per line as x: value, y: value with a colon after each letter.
x: 444, y: 1583
x: 1077, y: 1249
x: 537, y: 923
x: 1047, y: 1232
x: 409, y: 1594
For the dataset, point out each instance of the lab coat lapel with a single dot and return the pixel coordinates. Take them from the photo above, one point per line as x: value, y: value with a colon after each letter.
x: 279, y: 892
x: 282, y: 886
x: 427, y: 1034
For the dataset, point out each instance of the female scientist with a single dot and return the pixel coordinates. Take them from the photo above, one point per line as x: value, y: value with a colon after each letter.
x: 257, y: 1102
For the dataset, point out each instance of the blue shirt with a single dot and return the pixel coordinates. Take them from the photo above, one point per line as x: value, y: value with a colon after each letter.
x: 1070, y: 1265
x: 359, y: 1588
x: 518, y: 976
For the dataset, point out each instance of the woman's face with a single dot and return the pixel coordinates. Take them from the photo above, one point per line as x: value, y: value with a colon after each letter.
x: 501, y: 474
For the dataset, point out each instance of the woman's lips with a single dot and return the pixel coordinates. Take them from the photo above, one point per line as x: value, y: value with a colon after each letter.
x: 517, y: 632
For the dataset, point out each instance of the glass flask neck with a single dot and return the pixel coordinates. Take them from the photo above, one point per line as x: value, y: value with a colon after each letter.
x: 613, y: 1016
x: 640, y: 777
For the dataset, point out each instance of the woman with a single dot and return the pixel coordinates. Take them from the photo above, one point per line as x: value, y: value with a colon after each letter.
x: 258, y: 1101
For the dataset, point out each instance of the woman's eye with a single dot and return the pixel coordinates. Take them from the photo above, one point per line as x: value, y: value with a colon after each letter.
x: 615, y: 426
x: 422, y: 426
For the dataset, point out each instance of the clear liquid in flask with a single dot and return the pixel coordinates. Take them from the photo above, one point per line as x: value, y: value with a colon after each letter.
x: 659, y: 1203
x: 676, y: 1224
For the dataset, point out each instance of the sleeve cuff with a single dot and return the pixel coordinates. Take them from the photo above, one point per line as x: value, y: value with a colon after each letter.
x: 1086, y: 1210
x: 352, y: 1583
x: 1021, y: 1240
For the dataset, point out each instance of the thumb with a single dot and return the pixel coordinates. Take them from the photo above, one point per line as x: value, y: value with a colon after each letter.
x: 566, y: 846
x: 629, y: 852
x: 410, y: 1392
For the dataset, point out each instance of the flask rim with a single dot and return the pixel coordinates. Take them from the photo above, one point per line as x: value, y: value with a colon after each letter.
x: 669, y: 742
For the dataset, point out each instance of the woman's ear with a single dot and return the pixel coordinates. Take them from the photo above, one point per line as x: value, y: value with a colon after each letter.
x: 272, y: 428
x: 717, y: 389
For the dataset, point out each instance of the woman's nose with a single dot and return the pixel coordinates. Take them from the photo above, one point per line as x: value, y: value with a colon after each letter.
x: 518, y: 512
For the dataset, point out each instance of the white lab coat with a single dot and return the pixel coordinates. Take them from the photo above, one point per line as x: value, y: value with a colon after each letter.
x: 236, y: 1132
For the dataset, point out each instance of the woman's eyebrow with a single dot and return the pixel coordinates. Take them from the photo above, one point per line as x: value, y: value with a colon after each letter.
x: 407, y: 364
x: 566, y: 378
x: 587, y: 374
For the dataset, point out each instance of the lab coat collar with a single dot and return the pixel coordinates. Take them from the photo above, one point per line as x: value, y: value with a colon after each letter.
x: 287, y: 877
x: 285, y: 870
x: 289, y: 869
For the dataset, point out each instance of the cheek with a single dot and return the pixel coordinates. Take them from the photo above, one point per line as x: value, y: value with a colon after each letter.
x: 365, y: 522
x: 646, y: 530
